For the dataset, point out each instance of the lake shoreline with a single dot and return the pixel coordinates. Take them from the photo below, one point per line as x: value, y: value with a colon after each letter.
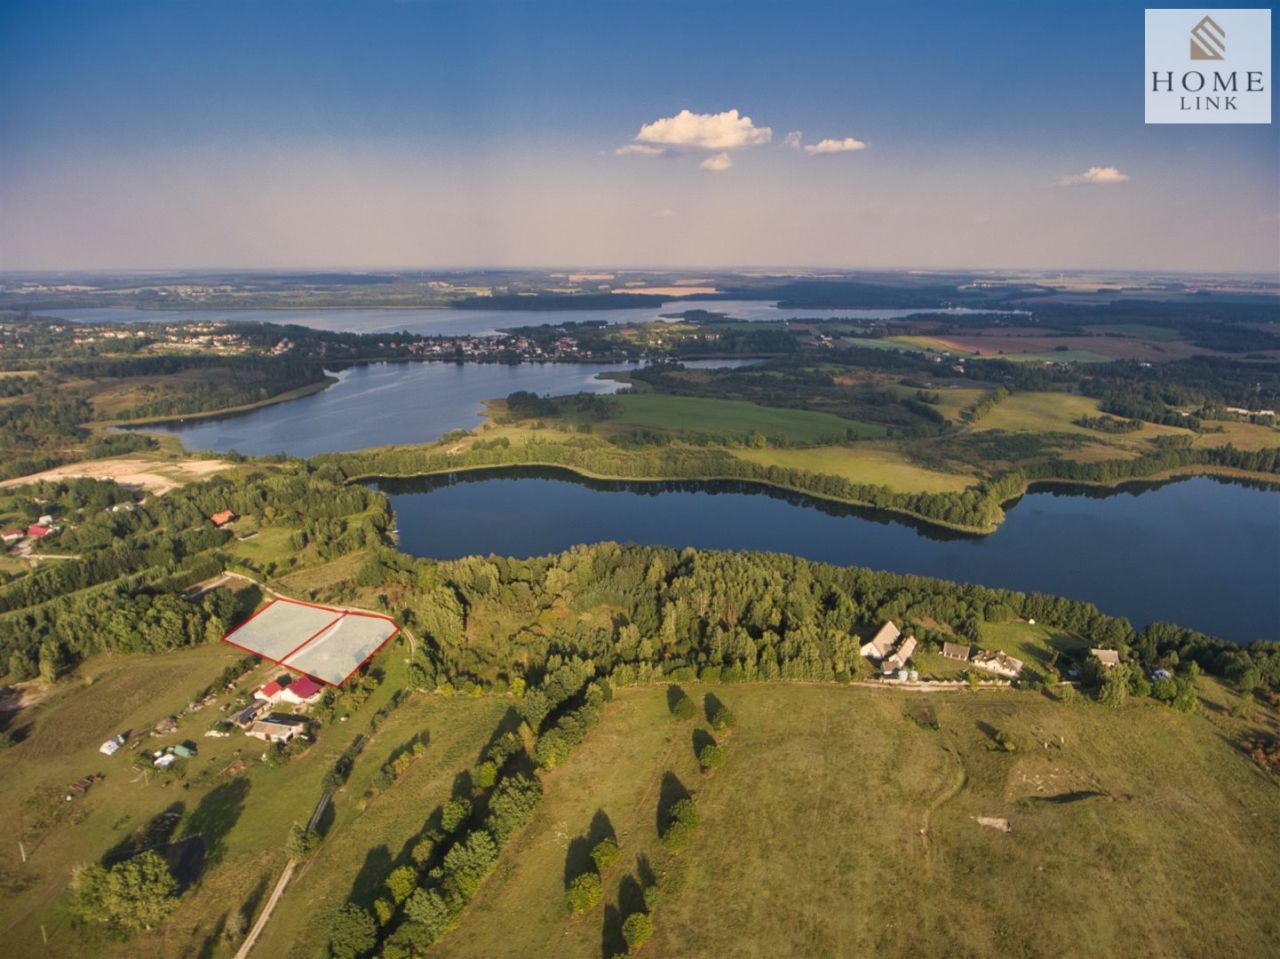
x: 1043, y: 485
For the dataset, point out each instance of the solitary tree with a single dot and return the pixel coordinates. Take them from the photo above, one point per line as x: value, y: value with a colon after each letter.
x: 584, y: 893
x: 605, y: 854
x: 711, y: 757
x: 138, y: 893
x: 636, y: 930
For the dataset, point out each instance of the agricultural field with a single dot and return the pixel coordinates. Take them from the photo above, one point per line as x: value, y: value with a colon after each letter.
x: 1057, y: 413
x: 843, y: 823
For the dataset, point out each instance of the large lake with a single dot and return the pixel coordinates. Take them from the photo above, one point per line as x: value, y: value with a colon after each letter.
x: 384, y: 404
x: 1200, y: 552
x: 453, y: 322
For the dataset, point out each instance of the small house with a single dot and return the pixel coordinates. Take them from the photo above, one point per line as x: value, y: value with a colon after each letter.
x: 272, y: 692
x: 882, y: 642
x: 956, y: 651
x: 45, y: 520
x: 277, y: 728
x: 183, y: 751
x: 12, y: 535
x: 38, y: 531
x: 1108, y: 657
x: 223, y: 518
x: 998, y: 662
x: 301, y: 692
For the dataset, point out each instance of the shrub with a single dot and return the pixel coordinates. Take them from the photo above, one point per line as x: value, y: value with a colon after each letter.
x: 1005, y: 741
x: 301, y: 842
x: 711, y: 757
x: 721, y: 717
x: 584, y: 893
x: 637, y: 928
x: 681, y: 820
x: 401, y: 883
x: 605, y: 854
x: 683, y: 708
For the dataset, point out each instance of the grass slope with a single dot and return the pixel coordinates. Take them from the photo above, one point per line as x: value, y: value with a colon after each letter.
x: 841, y: 827
x: 731, y: 419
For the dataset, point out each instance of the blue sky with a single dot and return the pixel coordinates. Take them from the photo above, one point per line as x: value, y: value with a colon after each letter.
x: 435, y: 134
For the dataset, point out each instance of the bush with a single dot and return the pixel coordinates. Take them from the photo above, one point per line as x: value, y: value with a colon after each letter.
x: 683, y: 708
x: 721, y: 717
x: 605, y: 854
x: 637, y: 929
x: 454, y: 814
x: 1005, y: 741
x: 584, y: 893
x: 301, y: 842
x: 711, y: 757
x: 681, y: 821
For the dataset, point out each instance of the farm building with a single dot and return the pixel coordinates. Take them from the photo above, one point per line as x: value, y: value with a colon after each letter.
x: 882, y: 642
x: 898, y: 658
x: 301, y: 692
x: 957, y: 651
x: 278, y: 728
x: 223, y: 518
x: 246, y: 716
x: 998, y: 662
x: 1108, y: 657
x: 12, y: 535
x: 36, y: 531
x: 270, y: 693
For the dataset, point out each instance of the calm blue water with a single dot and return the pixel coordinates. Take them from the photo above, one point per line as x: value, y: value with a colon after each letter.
x: 383, y: 404
x: 1201, y: 553
x: 453, y: 322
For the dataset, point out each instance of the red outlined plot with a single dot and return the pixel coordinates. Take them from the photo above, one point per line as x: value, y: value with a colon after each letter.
x: 327, y: 644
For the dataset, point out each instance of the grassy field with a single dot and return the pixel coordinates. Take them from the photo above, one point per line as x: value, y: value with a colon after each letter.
x: 841, y: 827
x: 242, y: 818
x: 864, y: 463
x: 1056, y: 412
x: 730, y: 420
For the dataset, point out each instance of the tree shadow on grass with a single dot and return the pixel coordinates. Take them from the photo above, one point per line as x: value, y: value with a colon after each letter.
x: 611, y: 941
x: 368, y: 882
x: 711, y: 704
x: 158, y: 831
x: 670, y: 793
x: 701, y: 740
x: 216, y: 815
x: 674, y: 696
x: 577, y: 859
x: 210, y: 944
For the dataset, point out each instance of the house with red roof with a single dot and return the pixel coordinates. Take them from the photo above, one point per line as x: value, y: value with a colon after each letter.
x: 223, y: 518
x: 302, y: 691
x: 271, y: 692
x: 36, y: 531
x: 12, y: 535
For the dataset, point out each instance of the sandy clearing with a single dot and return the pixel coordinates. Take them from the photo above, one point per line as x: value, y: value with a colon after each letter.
x: 155, y: 476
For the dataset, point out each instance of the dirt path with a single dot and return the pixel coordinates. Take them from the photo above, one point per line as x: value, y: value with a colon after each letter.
x: 261, y: 924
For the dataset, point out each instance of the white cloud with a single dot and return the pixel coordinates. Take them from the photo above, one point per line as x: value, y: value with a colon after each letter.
x: 847, y: 145
x: 793, y: 139
x: 717, y: 163
x: 641, y: 149
x: 703, y: 131
x: 1094, y: 175
x: 665, y: 213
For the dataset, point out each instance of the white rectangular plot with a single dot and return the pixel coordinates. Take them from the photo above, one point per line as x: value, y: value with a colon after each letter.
x: 282, y: 627
x: 342, y: 648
